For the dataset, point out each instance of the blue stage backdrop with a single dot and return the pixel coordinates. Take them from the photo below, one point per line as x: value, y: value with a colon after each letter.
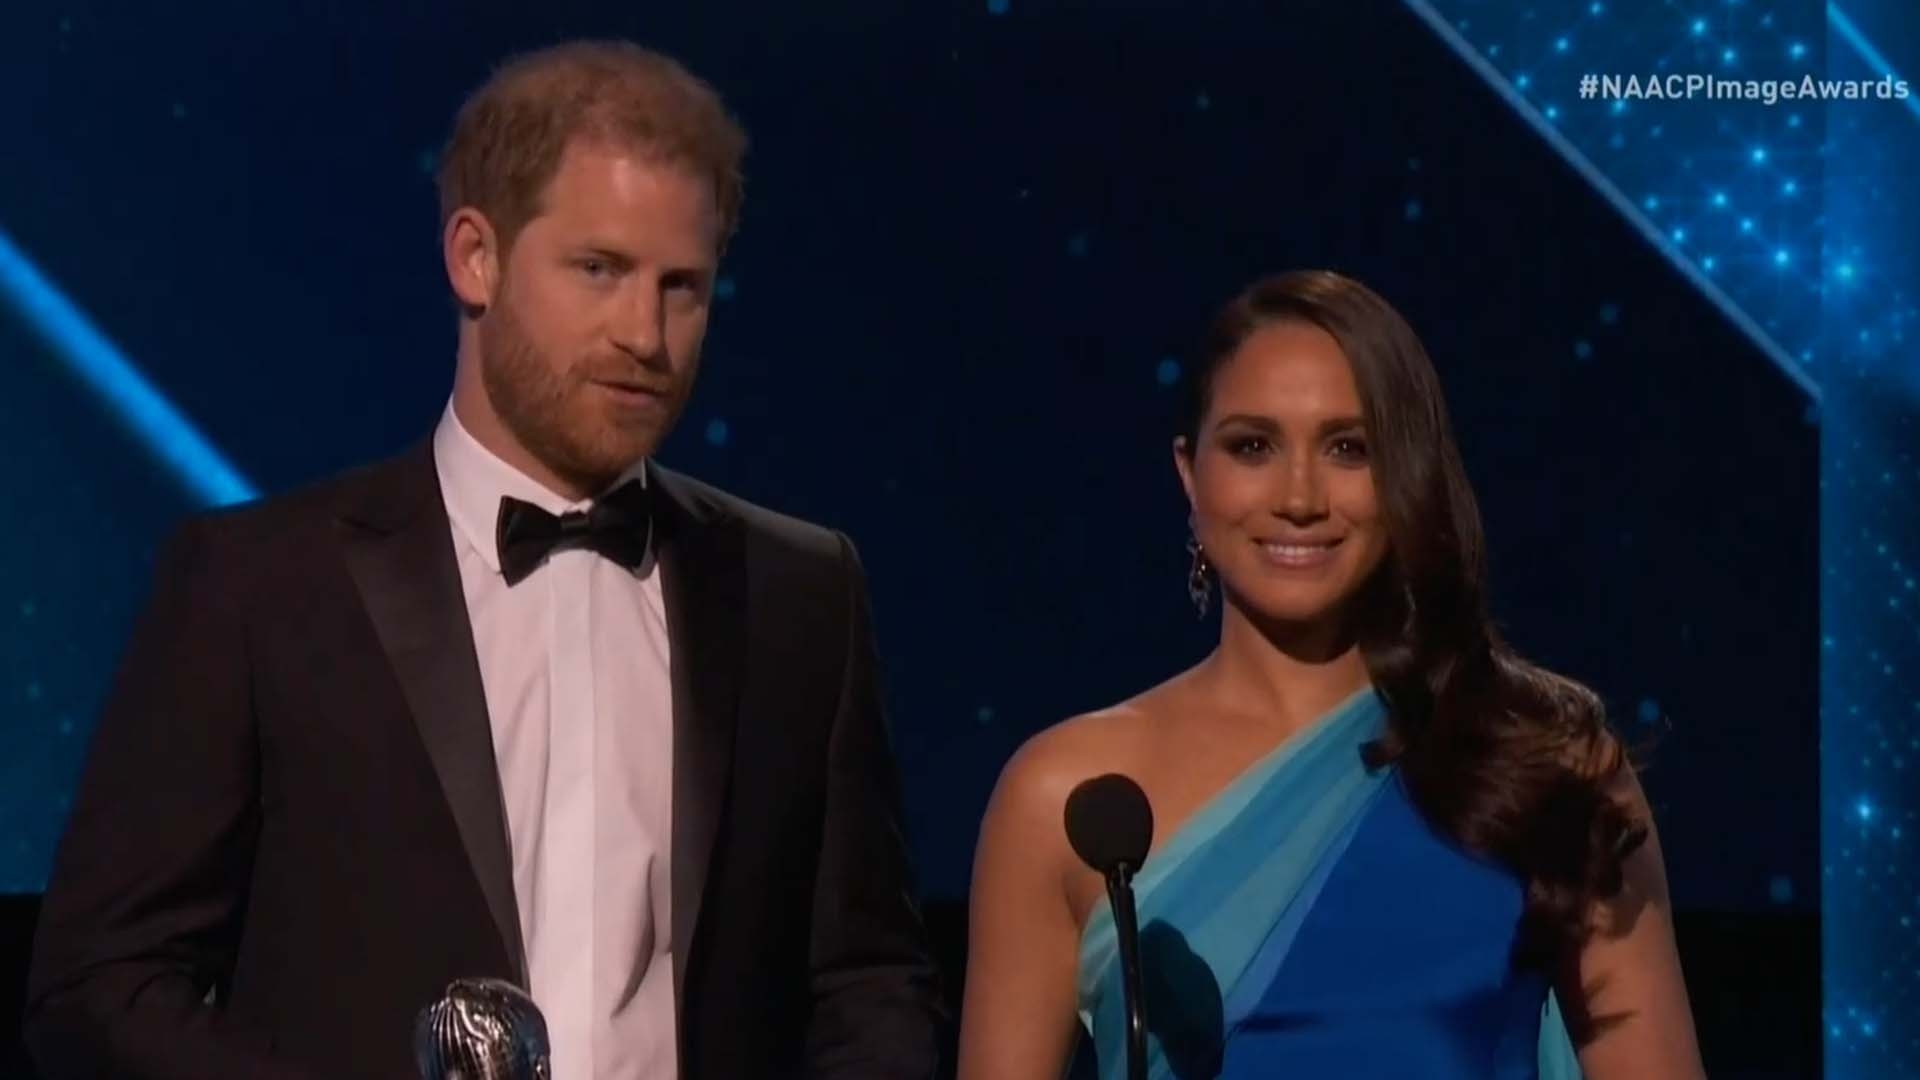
x: 978, y: 240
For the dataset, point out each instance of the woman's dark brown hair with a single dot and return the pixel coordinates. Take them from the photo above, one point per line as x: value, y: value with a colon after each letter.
x: 1510, y: 760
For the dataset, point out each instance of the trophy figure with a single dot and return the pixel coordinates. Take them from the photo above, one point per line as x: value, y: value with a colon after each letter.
x: 482, y: 1029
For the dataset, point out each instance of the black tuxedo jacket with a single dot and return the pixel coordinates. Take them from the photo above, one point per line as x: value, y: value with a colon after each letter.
x: 289, y: 834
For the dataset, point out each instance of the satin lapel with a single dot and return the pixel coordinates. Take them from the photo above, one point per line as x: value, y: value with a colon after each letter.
x: 399, y: 550
x: 704, y: 581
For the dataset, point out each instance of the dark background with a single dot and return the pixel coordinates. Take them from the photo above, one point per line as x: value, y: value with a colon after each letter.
x: 975, y: 245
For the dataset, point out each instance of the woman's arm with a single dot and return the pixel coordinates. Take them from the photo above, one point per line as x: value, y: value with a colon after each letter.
x: 1623, y: 994
x: 1019, y: 1019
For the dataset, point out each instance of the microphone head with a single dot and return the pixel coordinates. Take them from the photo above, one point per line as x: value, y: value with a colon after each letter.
x: 1109, y: 823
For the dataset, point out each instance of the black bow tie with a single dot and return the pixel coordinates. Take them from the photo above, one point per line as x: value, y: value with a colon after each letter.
x: 616, y: 526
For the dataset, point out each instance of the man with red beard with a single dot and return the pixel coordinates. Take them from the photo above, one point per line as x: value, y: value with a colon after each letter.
x: 518, y: 704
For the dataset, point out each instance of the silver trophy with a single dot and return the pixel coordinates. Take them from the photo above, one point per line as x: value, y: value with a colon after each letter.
x: 482, y: 1029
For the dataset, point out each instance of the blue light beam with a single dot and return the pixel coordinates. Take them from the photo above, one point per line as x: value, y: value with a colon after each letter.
x: 1858, y: 42
x: 134, y: 401
x: 1599, y: 181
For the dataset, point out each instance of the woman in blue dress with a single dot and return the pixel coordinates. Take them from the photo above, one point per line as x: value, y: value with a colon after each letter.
x: 1384, y: 845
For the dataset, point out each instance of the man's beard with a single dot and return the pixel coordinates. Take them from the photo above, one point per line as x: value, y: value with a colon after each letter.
x: 546, y: 411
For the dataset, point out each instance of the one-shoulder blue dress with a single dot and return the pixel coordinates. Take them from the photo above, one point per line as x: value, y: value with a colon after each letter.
x: 1307, y: 921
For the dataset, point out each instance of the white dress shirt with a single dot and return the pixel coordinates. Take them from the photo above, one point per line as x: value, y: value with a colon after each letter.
x: 575, y: 661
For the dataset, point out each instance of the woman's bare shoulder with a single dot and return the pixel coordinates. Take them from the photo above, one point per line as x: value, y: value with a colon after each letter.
x: 1117, y: 739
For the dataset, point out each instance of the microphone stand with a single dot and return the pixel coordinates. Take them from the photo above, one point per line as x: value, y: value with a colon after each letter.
x: 1126, y: 928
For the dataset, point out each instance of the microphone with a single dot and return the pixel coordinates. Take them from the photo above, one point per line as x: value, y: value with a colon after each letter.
x: 1110, y: 825
x: 482, y: 1029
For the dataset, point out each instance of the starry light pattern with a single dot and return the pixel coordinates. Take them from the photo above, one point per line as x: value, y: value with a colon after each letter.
x: 1792, y: 218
